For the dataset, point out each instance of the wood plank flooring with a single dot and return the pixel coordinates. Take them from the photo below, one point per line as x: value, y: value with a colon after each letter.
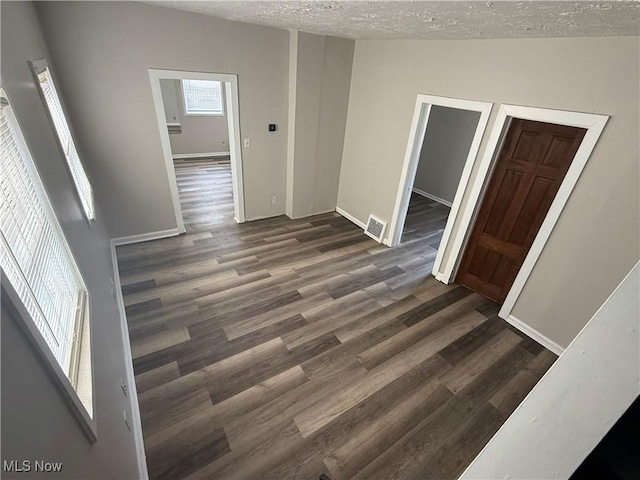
x: 204, y: 187
x: 284, y: 349
x: 425, y: 219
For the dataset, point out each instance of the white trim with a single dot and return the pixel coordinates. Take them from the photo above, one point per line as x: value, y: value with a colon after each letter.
x: 410, y: 166
x: 261, y: 217
x: 145, y: 237
x: 233, y: 122
x: 535, y: 335
x: 351, y: 218
x: 313, y: 214
x: 444, y: 202
x: 136, y: 423
x: 441, y: 278
x: 178, y: 156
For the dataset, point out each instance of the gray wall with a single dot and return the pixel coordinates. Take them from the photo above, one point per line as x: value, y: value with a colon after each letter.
x: 445, y: 148
x: 322, y: 81
x: 36, y: 421
x: 200, y: 134
x: 103, y: 51
x: 596, y: 239
x: 170, y: 100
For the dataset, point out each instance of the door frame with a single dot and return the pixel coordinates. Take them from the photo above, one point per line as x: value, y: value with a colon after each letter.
x: 233, y: 125
x: 417, y: 132
x: 593, y: 123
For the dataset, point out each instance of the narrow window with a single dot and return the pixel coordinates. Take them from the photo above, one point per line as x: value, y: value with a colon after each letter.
x: 54, y: 107
x: 34, y: 254
x: 202, y: 97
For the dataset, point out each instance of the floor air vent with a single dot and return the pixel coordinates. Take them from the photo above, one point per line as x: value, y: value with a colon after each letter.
x: 375, y: 228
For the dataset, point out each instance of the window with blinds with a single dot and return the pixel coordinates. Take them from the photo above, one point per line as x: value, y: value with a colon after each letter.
x: 34, y: 254
x: 48, y: 89
x: 202, y: 97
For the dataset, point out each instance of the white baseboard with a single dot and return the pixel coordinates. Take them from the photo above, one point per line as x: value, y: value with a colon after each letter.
x: 432, y: 197
x: 351, y: 218
x: 260, y: 217
x: 145, y: 237
x: 312, y: 214
x: 535, y: 335
x: 136, y: 423
x: 179, y: 156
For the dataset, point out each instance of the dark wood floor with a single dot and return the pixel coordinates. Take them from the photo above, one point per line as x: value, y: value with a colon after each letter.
x: 206, y: 197
x: 284, y: 349
x: 425, y: 218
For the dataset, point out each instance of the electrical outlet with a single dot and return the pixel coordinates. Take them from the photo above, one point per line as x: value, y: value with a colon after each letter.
x: 124, y: 388
x: 274, y: 200
x: 126, y: 420
x: 247, y: 142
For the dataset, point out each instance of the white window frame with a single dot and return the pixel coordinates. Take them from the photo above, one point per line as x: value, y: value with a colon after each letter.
x: 79, y: 382
x: 67, y: 145
x: 202, y: 113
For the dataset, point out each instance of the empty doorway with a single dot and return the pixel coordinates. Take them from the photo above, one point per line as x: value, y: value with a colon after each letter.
x: 429, y: 157
x: 199, y: 136
x: 447, y: 140
x: 199, y: 126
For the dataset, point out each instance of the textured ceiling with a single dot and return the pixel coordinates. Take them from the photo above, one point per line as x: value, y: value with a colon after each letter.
x: 431, y: 19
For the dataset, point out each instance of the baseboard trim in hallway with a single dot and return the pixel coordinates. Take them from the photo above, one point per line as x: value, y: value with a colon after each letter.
x: 535, y: 335
x: 145, y: 237
x: 351, y: 218
x: 430, y: 196
x: 181, y: 156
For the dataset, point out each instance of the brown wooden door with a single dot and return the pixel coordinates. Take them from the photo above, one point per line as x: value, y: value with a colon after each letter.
x: 531, y: 166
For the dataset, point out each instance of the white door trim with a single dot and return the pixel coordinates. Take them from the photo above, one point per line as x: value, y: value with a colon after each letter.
x: 410, y: 166
x: 233, y: 121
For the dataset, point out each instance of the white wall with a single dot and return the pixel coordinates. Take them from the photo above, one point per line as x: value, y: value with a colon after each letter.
x: 577, y: 402
x: 323, y: 75
x: 596, y: 239
x: 103, y: 51
x: 36, y: 421
x: 200, y: 133
x: 445, y: 148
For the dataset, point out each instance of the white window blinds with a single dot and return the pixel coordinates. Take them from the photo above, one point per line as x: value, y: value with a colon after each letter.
x: 202, y: 97
x: 33, y: 251
x: 66, y: 141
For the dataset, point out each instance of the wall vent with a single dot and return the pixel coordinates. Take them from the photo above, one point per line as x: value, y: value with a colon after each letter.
x: 375, y: 228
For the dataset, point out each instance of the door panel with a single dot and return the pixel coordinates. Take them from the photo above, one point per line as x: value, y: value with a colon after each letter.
x: 533, y: 161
